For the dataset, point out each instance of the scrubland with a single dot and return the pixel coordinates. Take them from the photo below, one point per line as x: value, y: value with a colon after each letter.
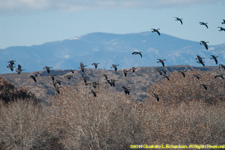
x: 186, y: 114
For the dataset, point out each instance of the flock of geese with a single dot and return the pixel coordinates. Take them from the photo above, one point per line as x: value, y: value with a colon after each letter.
x: 111, y: 82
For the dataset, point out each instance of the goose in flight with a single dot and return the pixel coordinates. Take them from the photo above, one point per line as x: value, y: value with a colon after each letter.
x: 200, y: 60
x: 156, y: 30
x: 161, y: 61
x: 182, y: 72
x: 204, y: 24
x: 137, y: 53
x: 94, y: 93
x: 219, y: 75
x: 95, y: 64
x: 155, y: 96
x: 222, y: 66
x: 114, y: 66
x: 33, y: 77
x: 204, y: 86
x: 215, y: 58
x: 82, y: 66
x: 126, y: 90
x: 11, y: 67
x: 221, y: 29
x: 197, y: 76
x: 19, y: 69
x: 125, y: 72
x: 223, y: 22
x: 47, y: 68
x: 179, y: 19
x: 205, y: 44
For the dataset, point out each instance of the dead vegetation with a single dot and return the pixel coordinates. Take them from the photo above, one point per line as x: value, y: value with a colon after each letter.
x: 186, y: 114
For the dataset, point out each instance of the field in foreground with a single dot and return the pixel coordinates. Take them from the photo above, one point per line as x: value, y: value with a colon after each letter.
x: 186, y: 113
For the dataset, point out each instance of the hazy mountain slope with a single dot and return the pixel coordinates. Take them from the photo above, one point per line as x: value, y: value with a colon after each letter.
x: 107, y: 49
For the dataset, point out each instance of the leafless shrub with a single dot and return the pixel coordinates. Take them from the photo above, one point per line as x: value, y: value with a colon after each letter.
x: 185, y: 89
x: 8, y: 92
x: 23, y: 125
x: 107, y: 121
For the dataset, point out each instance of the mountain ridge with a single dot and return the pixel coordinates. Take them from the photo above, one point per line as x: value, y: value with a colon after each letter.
x: 108, y: 49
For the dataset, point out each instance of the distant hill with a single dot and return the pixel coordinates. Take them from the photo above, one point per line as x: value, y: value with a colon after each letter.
x: 108, y: 49
x: 138, y: 82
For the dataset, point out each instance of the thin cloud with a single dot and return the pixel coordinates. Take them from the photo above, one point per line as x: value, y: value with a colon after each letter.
x: 12, y: 6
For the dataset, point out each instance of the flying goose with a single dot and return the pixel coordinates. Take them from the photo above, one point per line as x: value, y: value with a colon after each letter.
x: 179, y: 19
x: 182, y: 72
x: 19, y: 69
x: 82, y: 66
x: 161, y: 61
x: 155, y: 96
x: 200, y: 60
x: 137, y: 53
x: 204, y: 86
x: 223, y: 22
x: 10, y: 66
x: 219, y: 75
x: 47, y: 68
x: 205, y: 44
x: 197, y: 76
x: 95, y: 64
x: 215, y: 58
x: 33, y: 77
x: 114, y: 66
x: 94, y: 93
x: 126, y: 90
x: 221, y: 29
x: 125, y: 72
x: 204, y: 23
x: 156, y: 30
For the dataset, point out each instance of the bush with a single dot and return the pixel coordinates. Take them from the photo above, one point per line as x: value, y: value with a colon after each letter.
x: 185, y: 89
x: 108, y: 121
x: 23, y: 125
x: 8, y: 92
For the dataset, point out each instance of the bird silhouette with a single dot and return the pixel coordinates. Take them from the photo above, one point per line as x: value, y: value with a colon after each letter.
x: 84, y: 78
x: 52, y: 77
x: 204, y: 23
x: 47, y: 68
x: 161, y: 61
x: 95, y: 64
x: 95, y: 84
x: 106, y: 76
x: 57, y: 81
x: 166, y: 76
x: 222, y: 66
x: 33, y: 77
x: 12, y: 62
x: 125, y: 72
x: 72, y: 71
x: 82, y: 66
x: 182, y: 72
x: 204, y: 86
x: 133, y: 69
x: 179, y: 19
x: 221, y: 29
x: 68, y: 76
x: 94, y: 93
x: 223, y: 22
x: 197, y: 76
x: 137, y: 53
x: 156, y: 30
x: 205, y: 44
x: 219, y: 76
x: 156, y: 96
x: 113, y: 82
x: 126, y: 90
x: 19, y: 69
x: 36, y: 74
x: 11, y: 67
x: 215, y: 58
x: 114, y: 66
x: 56, y: 87
x: 200, y: 60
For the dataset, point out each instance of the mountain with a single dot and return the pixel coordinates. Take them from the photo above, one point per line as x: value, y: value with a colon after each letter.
x: 108, y: 49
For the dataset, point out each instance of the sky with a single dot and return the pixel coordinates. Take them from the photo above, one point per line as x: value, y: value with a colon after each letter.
x: 34, y: 22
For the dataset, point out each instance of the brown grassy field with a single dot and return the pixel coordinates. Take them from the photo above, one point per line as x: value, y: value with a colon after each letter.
x: 186, y: 114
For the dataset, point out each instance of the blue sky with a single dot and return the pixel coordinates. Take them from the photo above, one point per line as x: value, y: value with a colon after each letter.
x: 32, y: 22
